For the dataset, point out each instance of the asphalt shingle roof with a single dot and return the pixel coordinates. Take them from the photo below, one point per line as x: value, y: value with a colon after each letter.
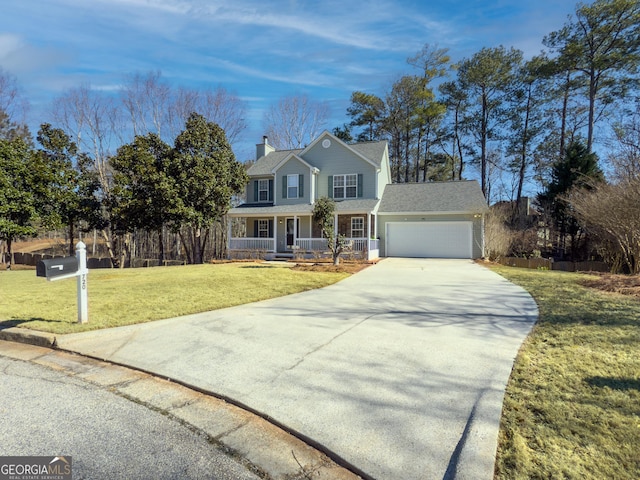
x: 433, y: 197
x: 374, y: 151
x: 345, y: 206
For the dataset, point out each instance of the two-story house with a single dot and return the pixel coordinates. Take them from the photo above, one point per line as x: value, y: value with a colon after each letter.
x: 378, y: 218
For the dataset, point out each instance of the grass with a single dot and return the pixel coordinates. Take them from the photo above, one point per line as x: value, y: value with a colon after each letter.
x: 125, y: 297
x: 572, y: 405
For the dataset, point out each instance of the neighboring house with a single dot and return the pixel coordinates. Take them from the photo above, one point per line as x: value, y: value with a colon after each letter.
x: 379, y: 218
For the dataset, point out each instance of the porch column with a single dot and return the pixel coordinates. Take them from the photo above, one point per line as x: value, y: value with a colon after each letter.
x: 275, y: 233
x: 482, y: 227
x: 335, y: 224
x: 368, y: 227
x: 229, y: 222
x: 296, y: 233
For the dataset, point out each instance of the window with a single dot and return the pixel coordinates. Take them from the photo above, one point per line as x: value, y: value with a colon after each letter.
x: 263, y: 190
x: 263, y: 228
x: 357, y: 227
x: 292, y: 186
x: 345, y: 186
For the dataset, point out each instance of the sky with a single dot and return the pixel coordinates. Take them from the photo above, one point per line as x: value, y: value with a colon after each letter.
x: 259, y: 50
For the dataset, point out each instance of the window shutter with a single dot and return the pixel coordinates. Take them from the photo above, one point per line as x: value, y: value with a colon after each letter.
x: 271, y: 190
x: 284, y: 186
x: 300, y: 186
x: 360, y: 193
x: 255, y: 191
x: 255, y: 228
x: 271, y: 228
x: 330, y: 186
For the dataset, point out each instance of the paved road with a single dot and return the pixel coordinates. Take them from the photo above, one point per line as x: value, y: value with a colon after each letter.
x: 399, y: 370
x: 46, y: 412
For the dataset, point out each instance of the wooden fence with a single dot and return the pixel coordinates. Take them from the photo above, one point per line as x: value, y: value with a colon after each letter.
x: 32, y: 259
x: 547, y: 264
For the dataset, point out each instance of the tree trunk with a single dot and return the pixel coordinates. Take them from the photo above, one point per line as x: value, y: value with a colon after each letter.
x: 563, y: 121
x: 483, y: 145
x: 71, y: 246
x: 10, y: 252
x: 161, y: 244
x: 112, y: 255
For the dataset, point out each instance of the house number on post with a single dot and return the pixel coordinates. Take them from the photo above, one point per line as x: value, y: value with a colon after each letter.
x: 68, y: 267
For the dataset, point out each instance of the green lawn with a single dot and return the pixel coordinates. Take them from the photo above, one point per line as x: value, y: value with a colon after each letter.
x: 572, y: 406
x: 124, y: 297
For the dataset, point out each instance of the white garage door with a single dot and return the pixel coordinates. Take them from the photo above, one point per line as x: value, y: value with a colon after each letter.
x: 429, y: 239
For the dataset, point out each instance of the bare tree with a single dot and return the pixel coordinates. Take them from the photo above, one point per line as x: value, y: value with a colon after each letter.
x: 146, y: 99
x: 295, y: 121
x: 625, y: 147
x: 611, y: 212
x: 11, y: 101
x: 92, y: 119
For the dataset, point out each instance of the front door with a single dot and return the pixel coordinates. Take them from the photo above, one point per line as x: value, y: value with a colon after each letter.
x: 292, y: 232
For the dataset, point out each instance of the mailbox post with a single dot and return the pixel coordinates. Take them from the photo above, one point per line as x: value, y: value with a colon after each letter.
x: 69, y: 267
x: 83, y: 308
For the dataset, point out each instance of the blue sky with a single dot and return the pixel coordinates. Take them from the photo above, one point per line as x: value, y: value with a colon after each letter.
x: 260, y: 50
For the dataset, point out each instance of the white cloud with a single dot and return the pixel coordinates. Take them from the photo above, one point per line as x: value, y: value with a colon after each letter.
x: 18, y: 57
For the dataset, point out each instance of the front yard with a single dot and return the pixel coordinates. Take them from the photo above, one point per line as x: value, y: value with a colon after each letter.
x: 572, y: 406
x: 125, y: 297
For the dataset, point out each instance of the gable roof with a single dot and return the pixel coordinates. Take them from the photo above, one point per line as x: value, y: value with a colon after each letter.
x: 372, y: 152
x: 266, y: 164
x: 373, y: 161
x: 294, y: 157
x: 433, y: 197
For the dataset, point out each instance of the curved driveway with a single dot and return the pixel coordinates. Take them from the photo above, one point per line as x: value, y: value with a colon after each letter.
x: 399, y: 370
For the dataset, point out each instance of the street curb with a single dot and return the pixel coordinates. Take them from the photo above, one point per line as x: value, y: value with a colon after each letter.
x: 31, y: 337
x: 266, y: 448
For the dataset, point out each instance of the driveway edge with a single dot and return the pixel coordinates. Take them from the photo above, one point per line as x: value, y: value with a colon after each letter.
x: 264, y: 446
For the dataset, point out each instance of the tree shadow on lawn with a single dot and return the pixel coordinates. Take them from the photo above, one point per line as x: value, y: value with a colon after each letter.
x: 17, y: 322
x: 614, y: 383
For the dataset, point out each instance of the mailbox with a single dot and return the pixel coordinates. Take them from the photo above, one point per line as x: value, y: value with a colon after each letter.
x: 57, y: 267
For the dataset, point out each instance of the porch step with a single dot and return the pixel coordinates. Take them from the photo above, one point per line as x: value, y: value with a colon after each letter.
x: 280, y: 256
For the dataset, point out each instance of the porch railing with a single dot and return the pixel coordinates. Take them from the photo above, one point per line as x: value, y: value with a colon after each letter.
x: 320, y: 244
x: 252, y: 243
x: 302, y: 244
x: 311, y: 244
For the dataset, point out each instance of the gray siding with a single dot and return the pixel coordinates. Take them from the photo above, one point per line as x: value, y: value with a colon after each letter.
x: 292, y: 167
x: 338, y: 160
x: 477, y: 227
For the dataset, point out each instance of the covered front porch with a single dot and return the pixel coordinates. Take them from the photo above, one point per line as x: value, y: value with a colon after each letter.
x: 295, y: 235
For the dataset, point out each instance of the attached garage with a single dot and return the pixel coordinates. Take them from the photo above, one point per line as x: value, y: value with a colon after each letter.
x: 429, y: 239
x: 432, y: 220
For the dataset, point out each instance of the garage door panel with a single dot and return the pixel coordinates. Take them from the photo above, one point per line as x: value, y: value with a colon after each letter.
x: 430, y: 239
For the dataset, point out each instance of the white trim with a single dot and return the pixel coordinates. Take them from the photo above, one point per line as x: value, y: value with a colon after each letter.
x: 259, y: 200
x: 362, y: 235
x: 296, y: 186
x: 344, y: 186
x: 275, y: 169
x: 340, y: 142
x: 454, y: 212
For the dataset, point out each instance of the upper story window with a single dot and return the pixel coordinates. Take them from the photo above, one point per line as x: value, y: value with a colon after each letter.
x: 345, y: 186
x: 292, y: 186
x: 263, y: 190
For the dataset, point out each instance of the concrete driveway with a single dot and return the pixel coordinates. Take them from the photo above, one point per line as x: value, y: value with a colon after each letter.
x: 399, y: 370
